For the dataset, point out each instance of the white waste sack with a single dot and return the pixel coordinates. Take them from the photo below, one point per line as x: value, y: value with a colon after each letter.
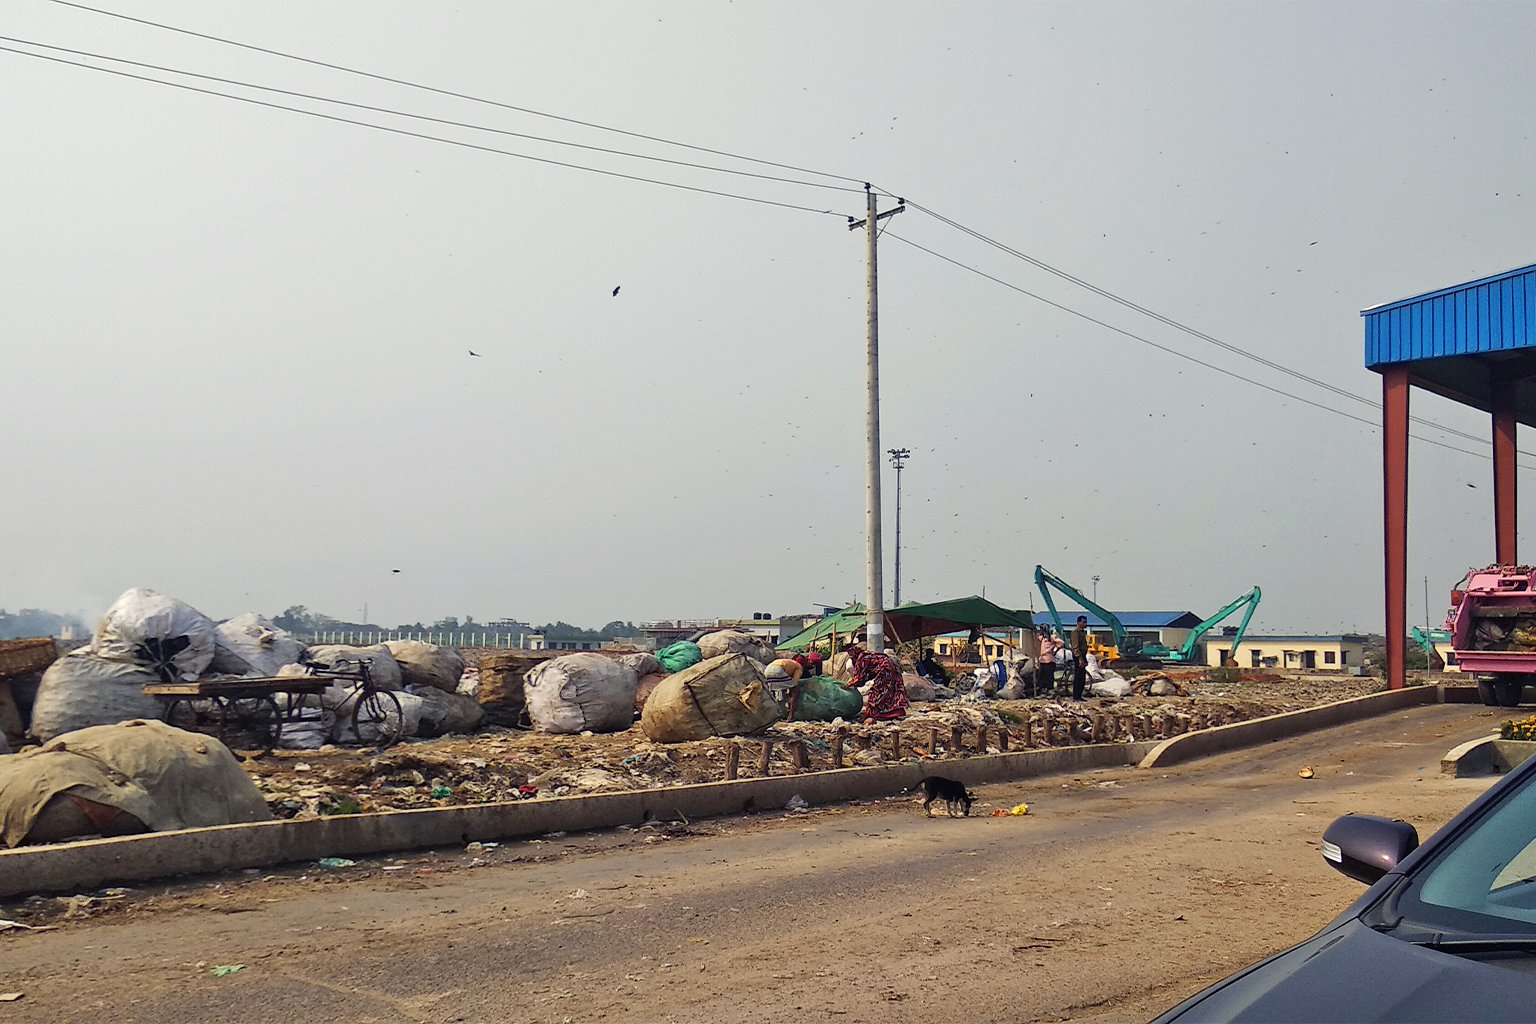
x: 423, y: 664
x: 644, y: 663
x: 1111, y: 685
x: 249, y: 645
x: 168, y: 636
x: 376, y: 722
x: 1092, y: 670
x: 579, y: 693
x: 306, y: 723
x: 82, y: 690
x: 382, y: 667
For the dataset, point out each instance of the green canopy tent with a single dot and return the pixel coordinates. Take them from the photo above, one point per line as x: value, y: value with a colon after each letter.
x: 846, y: 622
x: 914, y: 621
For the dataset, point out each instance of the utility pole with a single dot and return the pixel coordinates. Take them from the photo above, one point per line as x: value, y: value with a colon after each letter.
x: 875, y: 616
x: 899, y: 457
x: 1095, y: 590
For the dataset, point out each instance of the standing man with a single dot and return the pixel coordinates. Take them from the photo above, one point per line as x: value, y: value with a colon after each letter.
x: 1079, y: 657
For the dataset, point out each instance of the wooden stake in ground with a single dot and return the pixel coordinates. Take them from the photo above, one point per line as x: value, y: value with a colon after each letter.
x: 763, y: 756
x: 732, y: 761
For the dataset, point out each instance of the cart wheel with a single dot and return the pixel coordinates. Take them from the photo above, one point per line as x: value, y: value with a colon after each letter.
x: 251, y: 724
x: 181, y: 714
x: 380, y: 708
x: 1485, y: 693
x: 1508, y: 692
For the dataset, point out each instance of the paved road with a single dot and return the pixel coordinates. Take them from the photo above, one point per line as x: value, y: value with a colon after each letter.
x: 1121, y: 892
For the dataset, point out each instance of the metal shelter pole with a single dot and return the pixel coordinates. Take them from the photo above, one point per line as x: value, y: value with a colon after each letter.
x: 1504, y: 494
x: 1394, y: 423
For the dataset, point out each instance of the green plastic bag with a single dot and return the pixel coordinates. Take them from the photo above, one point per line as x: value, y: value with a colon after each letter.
x: 823, y: 698
x: 681, y: 655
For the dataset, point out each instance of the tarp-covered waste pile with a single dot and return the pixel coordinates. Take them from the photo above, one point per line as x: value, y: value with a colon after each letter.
x: 83, y: 690
x: 500, y: 688
x: 725, y: 696
x: 171, y: 638
x: 422, y: 664
x: 119, y: 779
x: 249, y: 645
x: 678, y: 656
x: 823, y: 699
x: 735, y: 641
x: 580, y: 693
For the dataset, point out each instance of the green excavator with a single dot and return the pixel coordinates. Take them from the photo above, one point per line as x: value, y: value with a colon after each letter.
x: 1130, y: 648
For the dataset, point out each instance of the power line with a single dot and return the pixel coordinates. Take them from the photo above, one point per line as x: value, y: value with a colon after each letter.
x: 421, y: 135
x: 1177, y: 325
x: 456, y: 95
x: 1175, y: 352
x: 426, y: 117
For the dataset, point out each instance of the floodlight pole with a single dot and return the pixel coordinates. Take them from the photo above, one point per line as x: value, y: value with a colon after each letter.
x: 875, y: 616
x: 899, y: 456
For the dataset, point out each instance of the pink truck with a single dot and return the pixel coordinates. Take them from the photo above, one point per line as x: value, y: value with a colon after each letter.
x: 1493, y: 630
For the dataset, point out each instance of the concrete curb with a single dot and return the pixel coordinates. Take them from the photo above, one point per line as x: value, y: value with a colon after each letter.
x: 1274, y: 727
x: 71, y: 867
x: 1487, y: 756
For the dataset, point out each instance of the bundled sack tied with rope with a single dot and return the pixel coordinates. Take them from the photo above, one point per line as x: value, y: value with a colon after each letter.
x: 581, y: 693
x: 82, y: 690
x: 736, y: 641
x: 423, y: 664
x: 724, y: 696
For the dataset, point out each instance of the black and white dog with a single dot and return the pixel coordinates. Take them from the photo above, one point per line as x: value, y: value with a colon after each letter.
x: 951, y: 792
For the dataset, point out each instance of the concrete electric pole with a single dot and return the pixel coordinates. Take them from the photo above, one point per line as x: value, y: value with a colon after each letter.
x: 899, y: 456
x: 875, y: 617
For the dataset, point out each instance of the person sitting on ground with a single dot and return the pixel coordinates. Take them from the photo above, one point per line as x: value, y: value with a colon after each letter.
x: 887, y: 695
x: 929, y: 668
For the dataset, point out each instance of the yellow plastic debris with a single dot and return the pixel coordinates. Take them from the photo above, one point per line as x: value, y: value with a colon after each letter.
x: 1306, y: 772
x: 1018, y: 810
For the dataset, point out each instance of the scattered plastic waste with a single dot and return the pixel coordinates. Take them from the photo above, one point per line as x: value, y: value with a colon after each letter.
x: 10, y: 997
x: 441, y: 792
x: 1307, y: 772
x: 580, y: 894
x: 336, y: 862
x: 796, y: 803
x: 1016, y: 811
x: 225, y: 970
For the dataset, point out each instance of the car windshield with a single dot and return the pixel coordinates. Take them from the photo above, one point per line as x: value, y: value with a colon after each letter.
x: 1485, y: 881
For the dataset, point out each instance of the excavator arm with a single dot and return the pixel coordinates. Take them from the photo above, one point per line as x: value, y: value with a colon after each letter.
x: 1045, y: 581
x: 1186, y: 653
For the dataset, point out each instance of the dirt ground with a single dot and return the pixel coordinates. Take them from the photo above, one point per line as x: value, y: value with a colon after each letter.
x: 1121, y: 892
x: 502, y: 764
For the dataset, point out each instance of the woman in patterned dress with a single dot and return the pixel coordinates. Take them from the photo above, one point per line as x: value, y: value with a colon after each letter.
x: 887, y: 695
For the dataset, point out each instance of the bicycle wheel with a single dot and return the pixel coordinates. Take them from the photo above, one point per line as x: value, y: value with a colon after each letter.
x: 378, y: 714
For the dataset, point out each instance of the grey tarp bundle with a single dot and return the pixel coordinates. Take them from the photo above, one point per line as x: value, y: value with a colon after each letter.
x: 581, y: 692
x: 164, y: 777
x: 249, y: 645
x: 643, y: 662
x: 382, y: 667
x: 723, y: 696
x: 444, y: 713
x: 82, y: 690
x: 167, y: 635
x: 423, y: 664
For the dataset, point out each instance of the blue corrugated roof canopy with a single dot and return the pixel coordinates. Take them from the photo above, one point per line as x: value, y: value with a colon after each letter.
x: 1457, y: 341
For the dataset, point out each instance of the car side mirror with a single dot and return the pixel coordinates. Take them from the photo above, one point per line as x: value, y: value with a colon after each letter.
x: 1365, y: 847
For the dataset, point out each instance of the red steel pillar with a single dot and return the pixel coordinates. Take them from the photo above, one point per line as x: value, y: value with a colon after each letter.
x: 1504, y: 473
x: 1394, y: 424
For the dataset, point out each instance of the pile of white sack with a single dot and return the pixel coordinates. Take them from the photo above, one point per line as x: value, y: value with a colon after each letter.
x: 147, y: 638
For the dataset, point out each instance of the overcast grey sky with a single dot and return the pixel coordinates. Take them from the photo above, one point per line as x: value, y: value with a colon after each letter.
x: 236, y: 338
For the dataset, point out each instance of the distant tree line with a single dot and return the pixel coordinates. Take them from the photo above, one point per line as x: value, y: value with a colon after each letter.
x: 299, y: 619
x: 37, y: 622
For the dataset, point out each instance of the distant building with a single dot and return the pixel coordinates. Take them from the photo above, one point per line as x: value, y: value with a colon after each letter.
x: 537, y: 642
x: 772, y: 628
x: 1338, y: 652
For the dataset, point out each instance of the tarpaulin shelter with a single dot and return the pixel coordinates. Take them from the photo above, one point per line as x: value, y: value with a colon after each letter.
x: 913, y: 621
x: 845, y: 622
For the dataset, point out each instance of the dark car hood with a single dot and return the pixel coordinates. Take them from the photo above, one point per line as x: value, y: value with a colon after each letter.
x: 1352, y: 973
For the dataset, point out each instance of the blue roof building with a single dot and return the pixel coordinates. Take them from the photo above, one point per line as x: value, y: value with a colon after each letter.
x: 1474, y: 343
